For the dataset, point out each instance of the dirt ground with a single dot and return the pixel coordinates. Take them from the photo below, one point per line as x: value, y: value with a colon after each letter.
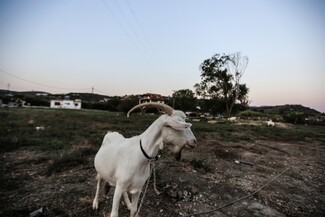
x: 211, y: 175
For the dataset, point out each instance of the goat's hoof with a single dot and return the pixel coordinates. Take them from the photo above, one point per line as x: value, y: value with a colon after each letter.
x: 95, y: 205
x: 106, y: 214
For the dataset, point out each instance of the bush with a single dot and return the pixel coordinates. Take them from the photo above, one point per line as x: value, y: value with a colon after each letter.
x: 250, y: 113
x: 295, y: 118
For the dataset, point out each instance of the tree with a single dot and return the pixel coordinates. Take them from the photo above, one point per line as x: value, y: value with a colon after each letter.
x: 184, y: 100
x: 127, y: 103
x: 220, y: 80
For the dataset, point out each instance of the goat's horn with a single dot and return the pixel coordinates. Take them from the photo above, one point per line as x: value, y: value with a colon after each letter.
x: 169, y: 110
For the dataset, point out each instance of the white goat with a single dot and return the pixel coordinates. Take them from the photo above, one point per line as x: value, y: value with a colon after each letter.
x: 270, y: 123
x: 125, y: 162
x: 232, y: 119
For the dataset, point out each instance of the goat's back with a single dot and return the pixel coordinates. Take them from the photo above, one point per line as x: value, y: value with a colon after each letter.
x: 112, y: 136
x: 117, y: 159
x: 106, y: 159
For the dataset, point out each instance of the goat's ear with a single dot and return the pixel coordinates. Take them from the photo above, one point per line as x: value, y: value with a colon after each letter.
x: 177, y: 125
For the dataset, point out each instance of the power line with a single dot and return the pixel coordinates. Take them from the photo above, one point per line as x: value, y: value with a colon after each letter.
x: 121, y: 25
x: 138, y: 43
x: 130, y: 25
x: 117, y: 20
x: 39, y: 84
x: 143, y: 32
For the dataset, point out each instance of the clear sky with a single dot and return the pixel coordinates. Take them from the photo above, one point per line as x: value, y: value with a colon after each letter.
x: 136, y: 46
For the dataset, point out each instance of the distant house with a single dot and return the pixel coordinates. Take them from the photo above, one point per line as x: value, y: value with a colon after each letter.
x: 151, y: 97
x: 66, y: 104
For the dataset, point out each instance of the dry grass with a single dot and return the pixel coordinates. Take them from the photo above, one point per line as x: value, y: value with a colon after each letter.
x: 53, y: 167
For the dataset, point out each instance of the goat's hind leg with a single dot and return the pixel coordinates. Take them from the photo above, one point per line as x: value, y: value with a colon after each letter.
x: 95, y: 202
x: 127, y: 200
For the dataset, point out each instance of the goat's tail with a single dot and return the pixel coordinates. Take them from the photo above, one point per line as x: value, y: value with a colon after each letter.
x: 98, y: 177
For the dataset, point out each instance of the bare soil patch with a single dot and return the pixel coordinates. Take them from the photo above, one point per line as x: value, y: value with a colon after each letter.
x: 206, y: 178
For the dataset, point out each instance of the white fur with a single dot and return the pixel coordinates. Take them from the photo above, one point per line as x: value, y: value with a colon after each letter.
x: 232, y: 119
x: 121, y: 163
x: 270, y: 123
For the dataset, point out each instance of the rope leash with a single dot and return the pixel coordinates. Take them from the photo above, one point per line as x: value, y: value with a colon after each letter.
x: 242, y: 198
x: 152, y: 170
x: 154, y: 178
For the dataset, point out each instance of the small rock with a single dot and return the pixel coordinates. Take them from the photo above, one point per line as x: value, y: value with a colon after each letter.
x: 173, y: 194
x: 37, y: 213
x: 180, y: 194
x: 194, y: 190
x: 40, y: 128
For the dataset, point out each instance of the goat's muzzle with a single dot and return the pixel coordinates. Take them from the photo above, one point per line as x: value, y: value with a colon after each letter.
x: 178, y: 150
x: 192, y: 143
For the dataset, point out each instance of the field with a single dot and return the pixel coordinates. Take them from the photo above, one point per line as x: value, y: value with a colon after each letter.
x: 47, y: 162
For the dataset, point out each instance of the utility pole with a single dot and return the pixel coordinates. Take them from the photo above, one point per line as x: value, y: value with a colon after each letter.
x: 8, y: 87
x: 174, y: 98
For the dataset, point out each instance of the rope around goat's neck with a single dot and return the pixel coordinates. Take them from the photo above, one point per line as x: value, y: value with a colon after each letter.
x: 154, y: 178
x: 152, y: 169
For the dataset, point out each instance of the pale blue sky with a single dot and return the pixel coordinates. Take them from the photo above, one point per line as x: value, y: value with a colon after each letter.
x: 135, y: 46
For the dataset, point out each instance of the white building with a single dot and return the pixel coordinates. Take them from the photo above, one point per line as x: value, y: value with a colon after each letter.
x: 151, y: 97
x: 67, y: 104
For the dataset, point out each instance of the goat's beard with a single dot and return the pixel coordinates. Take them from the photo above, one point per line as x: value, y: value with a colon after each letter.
x: 178, y: 152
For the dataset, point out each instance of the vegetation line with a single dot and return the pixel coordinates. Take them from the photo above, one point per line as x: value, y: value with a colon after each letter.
x: 242, y: 198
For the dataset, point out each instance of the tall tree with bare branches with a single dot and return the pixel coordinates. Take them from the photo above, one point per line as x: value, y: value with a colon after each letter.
x: 220, y: 80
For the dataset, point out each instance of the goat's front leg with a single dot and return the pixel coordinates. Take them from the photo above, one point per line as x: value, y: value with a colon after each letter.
x: 135, y: 199
x: 116, y: 201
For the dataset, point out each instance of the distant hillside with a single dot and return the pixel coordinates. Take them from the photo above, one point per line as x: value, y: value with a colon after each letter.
x: 23, y: 93
x: 86, y: 97
x: 284, y: 109
x: 90, y: 98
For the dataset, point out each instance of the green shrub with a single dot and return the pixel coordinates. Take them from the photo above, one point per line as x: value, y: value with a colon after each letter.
x: 295, y: 117
x: 250, y: 113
